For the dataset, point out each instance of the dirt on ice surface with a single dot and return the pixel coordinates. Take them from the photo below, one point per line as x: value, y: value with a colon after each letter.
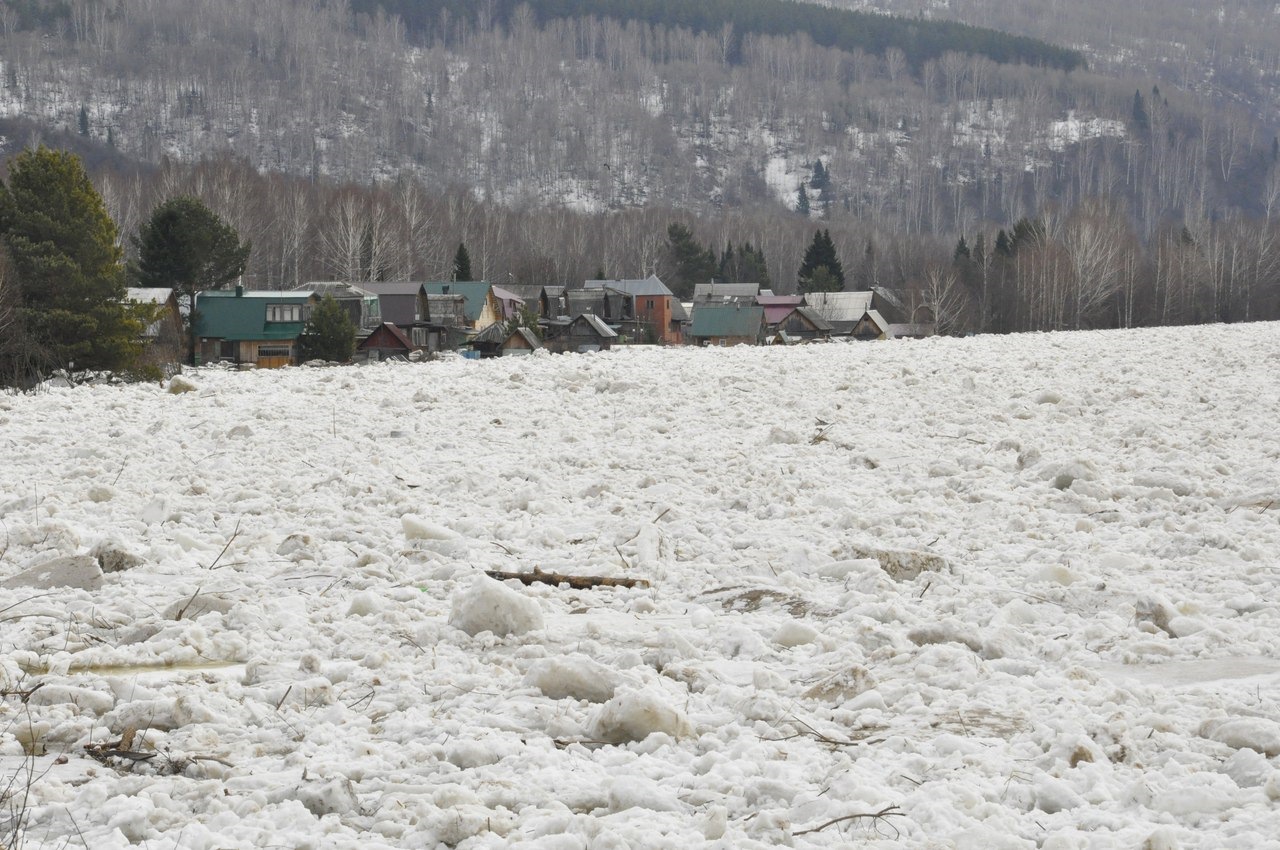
x: 998, y: 592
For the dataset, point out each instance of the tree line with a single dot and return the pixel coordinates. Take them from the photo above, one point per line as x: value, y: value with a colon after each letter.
x: 918, y: 39
x: 73, y: 239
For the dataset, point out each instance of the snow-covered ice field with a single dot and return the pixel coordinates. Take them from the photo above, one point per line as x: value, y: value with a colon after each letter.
x: 1009, y: 592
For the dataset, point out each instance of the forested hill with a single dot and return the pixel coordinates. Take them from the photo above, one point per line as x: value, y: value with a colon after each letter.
x: 919, y: 40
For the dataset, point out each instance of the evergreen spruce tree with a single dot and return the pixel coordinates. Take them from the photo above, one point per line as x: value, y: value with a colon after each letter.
x: 462, y: 263
x: 64, y: 255
x: 1003, y: 247
x: 84, y: 121
x: 961, y: 254
x: 821, y: 270
x: 692, y: 262
x: 802, y: 201
x: 187, y: 247
x: 329, y: 333
x: 1140, y: 118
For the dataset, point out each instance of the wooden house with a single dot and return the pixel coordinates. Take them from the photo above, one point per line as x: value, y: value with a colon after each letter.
x: 585, y: 332
x: 727, y: 324
x: 520, y: 341
x: 252, y: 327
x: 386, y: 341
x: 362, y: 305
x: 842, y: 310
x: 399, y: 302
x: 481, y: 307
x: 874, y: 326
x: 535, y: 299
x: 800, y: 324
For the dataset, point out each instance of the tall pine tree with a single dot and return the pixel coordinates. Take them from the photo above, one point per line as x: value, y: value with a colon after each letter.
x: 187, y: 247
x: 462, y: 263
x: 821, y: 270
x: 66, y: 260
x: 691, y: 261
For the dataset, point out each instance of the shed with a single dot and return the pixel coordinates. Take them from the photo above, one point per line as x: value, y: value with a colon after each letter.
x: 586, y: 332
x: 521, y: 341
x: 386, y: 341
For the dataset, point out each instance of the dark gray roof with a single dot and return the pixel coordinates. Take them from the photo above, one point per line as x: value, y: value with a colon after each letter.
x: 393, y: 287
x: 724, y: 291
x: 651, y: 285
x: 818, y: 322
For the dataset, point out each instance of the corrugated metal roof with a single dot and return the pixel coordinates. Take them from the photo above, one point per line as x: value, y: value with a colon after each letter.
x: 226, y: 314
x: 715, y: 291
x: 598, y: 325
x: 494, y: 334
x: 840, y: 306
x: 726, y: 320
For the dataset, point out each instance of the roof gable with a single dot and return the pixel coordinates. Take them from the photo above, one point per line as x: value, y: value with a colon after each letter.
x: 474, y: 292
x: 386, y: 335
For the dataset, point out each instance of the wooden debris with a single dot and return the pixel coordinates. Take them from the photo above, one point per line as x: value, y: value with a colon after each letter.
x: 576, y: 582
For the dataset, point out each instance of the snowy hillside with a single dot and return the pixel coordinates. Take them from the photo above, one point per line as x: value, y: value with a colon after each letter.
x: 1002, y: 592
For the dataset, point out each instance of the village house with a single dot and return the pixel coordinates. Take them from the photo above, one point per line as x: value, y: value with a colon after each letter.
x: 399, y: 302
x: 361, y: 304
x: 386, y: 342
x: 585, y: 332
x: 256, y: 327
x: 798, y: 324
x: 727, y: 324
x: 873, y: 325
x: 648, y: 311
x: 480, y: 306
x: 842, y: 310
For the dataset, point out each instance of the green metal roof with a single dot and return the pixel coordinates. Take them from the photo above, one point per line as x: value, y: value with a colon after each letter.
x: 473, y: 292
x: 727, y: 320
x: 224, y: 314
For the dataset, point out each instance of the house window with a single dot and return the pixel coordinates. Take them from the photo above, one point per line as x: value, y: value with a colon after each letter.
x: 274, y: 351
x: 284, y: 312
x: 650, y: 304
